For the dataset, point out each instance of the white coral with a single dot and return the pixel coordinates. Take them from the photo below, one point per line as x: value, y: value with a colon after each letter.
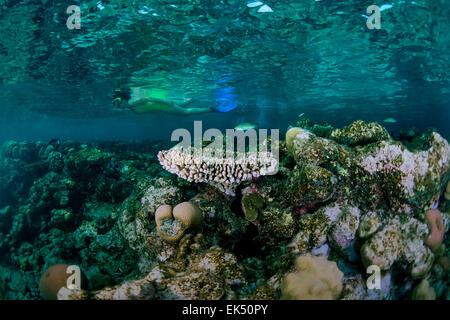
x: 224, y: 173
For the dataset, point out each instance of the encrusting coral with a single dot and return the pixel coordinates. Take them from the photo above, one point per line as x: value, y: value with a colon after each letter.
x: 384, y: 171
x: 315, y: 278
x: 437, y: 229
x: 360, y: 133
x: 401, y: 240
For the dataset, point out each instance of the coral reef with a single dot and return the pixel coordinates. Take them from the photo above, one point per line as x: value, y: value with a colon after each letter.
x: 149, y: 224
x: 290, y: 135
x: 251, y: 205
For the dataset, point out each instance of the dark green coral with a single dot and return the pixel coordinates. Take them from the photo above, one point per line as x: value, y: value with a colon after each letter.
x: 251, y: 205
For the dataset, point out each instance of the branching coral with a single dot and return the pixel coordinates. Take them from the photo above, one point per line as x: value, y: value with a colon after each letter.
x: 224, y: 173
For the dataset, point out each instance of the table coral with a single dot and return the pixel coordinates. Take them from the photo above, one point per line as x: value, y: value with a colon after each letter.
x: 223, y: 173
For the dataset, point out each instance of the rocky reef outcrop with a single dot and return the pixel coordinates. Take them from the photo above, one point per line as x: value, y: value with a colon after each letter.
x: 346, y: 200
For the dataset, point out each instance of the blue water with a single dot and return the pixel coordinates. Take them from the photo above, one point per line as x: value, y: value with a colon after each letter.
x: 312, y: 57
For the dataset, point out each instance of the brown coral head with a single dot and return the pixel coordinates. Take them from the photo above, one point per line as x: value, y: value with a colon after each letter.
x: 188, y: 213
x: 54, y: 278
x: 437, y: 230
x: 171, y: 223
x: 164, y: 212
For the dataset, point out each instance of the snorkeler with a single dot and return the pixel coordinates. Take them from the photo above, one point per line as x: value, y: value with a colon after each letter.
x: 135, y: 100
x: 142, y: 101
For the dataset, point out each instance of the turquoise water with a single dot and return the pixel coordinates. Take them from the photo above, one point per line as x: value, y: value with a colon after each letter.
x: 91, y: 183
x: 312, y: 57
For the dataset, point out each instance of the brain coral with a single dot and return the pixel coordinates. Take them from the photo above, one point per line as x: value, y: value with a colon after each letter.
x: 316, y: 278
x: 224, y: 173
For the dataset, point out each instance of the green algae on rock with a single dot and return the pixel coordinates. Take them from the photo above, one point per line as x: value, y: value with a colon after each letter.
x: 400, y: 241
x: 385, y: 174
x: 360, y: 133
x: 251, y: 205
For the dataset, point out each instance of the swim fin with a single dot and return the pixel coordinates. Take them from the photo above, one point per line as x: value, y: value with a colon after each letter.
x: 224, y: 106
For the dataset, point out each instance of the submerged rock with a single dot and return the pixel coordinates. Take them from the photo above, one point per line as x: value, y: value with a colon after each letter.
x: 360, y: 133
x: 379, y: 175
x: 343, y: 231
x: 401, y: 240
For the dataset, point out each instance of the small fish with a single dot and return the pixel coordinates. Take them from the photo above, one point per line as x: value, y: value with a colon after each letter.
x: 301, y: 114
x: 245, y: 126
x: 385, y: 7
x: 254, y: 4
x: 265, y: 8
x: 390, y: 120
